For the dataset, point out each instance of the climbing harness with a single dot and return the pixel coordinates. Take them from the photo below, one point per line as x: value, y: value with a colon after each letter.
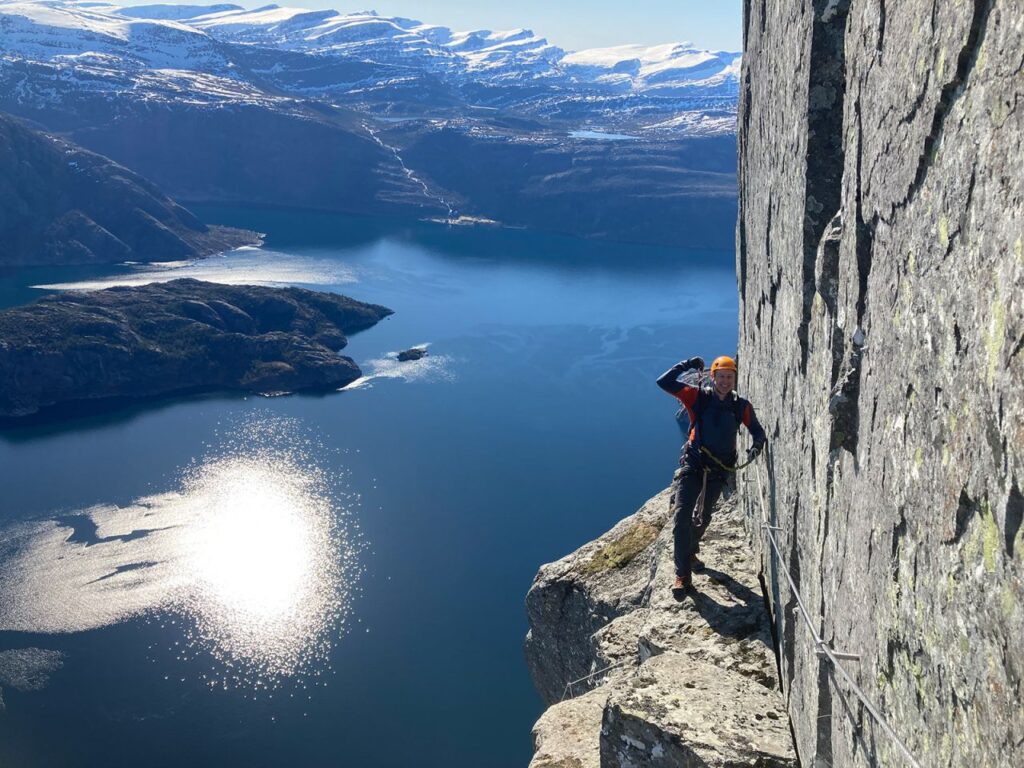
x: 698, y: 509
x: 699, y: 378
x: 714, y: 458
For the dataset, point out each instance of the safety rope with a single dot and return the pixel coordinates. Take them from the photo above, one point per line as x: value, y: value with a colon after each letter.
x: 821, y: 647
x: 698, y: 508
x: 567, y: 691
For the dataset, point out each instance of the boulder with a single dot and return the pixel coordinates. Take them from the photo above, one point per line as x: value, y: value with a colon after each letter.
x: 678, y: 712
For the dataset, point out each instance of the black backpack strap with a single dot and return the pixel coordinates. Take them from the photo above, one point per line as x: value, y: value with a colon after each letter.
x: 699, y: 407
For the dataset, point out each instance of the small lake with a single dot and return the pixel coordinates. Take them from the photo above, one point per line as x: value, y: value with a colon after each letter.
x: 338, y: 580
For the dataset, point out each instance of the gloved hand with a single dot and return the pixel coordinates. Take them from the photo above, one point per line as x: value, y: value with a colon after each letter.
x: 693, y: 362
x: 754, y: 452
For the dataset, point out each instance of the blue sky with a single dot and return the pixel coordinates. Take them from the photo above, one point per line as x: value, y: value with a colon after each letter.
x: 575, y: 24
x: 571, y: 24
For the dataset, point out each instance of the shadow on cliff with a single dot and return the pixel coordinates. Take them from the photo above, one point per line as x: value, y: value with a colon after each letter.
x: 740, y: 620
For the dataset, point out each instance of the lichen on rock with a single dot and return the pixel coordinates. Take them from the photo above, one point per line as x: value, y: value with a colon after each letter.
x: 621, y: 551
x: 896, y: 399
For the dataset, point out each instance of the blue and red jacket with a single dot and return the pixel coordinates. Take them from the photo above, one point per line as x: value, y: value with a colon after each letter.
x: 714, y: 421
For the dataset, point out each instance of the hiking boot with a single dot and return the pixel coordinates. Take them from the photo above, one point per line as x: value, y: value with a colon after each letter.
x: 682, y: 584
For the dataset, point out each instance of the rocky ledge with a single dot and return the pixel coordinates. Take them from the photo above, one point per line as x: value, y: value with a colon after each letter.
x: 180, y: 336
x: 634, y: 678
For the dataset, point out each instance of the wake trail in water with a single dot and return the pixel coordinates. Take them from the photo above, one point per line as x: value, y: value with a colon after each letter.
x: 429, y: 368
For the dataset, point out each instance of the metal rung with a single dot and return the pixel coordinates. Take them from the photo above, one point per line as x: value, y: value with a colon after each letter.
x: 820, y: 646
x: 838, y: 654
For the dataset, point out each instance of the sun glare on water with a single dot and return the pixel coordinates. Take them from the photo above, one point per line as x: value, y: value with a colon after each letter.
x: 251, y: 565
x: 270, y: 575
x: 253, y: 554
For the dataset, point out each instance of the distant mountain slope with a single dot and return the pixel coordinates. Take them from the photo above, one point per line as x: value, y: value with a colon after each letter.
x: 373, y: 62
x: 62, y: 204
x: 364, y: 113
x: 636, y: 191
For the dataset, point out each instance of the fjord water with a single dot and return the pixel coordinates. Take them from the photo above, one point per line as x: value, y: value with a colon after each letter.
x: 339, y: 579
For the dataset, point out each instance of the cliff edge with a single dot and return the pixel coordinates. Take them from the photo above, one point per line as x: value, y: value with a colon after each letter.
x: 634, y: 678
x: 881, y: 281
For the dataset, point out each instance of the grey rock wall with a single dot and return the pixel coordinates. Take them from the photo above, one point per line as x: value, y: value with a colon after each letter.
x: 881, y: 280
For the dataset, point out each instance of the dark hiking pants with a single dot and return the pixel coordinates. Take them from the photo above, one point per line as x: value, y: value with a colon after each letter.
x: 685, y: 535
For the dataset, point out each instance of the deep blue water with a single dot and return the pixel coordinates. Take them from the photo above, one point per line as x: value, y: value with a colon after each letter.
x: 532, y: 427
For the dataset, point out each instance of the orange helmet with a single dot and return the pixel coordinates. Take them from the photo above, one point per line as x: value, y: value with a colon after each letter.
x: 723, y: 363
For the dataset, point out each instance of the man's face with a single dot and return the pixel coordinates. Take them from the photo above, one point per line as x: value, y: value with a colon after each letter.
x: 725, y: 381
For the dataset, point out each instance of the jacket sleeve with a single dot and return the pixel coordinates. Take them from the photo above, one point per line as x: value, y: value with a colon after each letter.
x: 669, y: 382
x: 754, y: 426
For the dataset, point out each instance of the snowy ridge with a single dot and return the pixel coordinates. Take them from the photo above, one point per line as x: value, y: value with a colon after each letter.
x: 379, y: 38
x: 176, y: 12
x: 51, y: 30
x: 371, y: 62
x: 656, y: 67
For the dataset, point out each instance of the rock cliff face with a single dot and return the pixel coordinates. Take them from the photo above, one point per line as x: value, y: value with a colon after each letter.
x: 881, y: 282
x: 634, y: 678
x: 180, y: 336
x: 60, y: 204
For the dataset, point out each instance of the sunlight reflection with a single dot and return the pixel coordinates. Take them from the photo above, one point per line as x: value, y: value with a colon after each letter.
x: 256, y: 557
x: 271, y: 572
x: 253, y: 553
x: 243, y: 266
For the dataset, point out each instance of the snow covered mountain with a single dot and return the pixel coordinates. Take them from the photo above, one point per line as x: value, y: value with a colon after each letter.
x: 366, y: 113
x: 377, y: 64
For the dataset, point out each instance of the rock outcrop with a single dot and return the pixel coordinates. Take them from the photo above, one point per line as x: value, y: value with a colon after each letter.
x: 413, y: 353
x: 60, y: 204
x: 634, y: 677
x: 181, y: 336
x: 881, y: 283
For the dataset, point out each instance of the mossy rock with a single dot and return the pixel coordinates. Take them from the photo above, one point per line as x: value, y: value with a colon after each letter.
x: 620, y: 552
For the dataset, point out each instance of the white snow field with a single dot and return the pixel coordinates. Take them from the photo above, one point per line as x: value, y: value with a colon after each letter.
x: 370, y: 61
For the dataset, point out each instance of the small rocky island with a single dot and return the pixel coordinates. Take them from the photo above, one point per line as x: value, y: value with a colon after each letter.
x: 413, y: 353
x: 175, y: 337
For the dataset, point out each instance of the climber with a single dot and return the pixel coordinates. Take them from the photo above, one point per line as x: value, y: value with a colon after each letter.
x: 715, y: 412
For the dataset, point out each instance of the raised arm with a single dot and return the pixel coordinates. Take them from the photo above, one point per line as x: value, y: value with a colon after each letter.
x: 669, y: 380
